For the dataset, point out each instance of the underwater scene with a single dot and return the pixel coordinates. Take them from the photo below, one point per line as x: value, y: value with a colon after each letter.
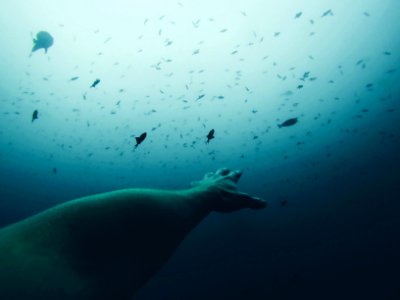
x: 302, y: 96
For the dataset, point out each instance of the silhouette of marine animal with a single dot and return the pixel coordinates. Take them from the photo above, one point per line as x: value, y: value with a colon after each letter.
x: 35, y: 115
x: 287, y: 123
x: 96, y: 82
x: 210, y: 135
x: 140, y: 139
x: 43, y: 41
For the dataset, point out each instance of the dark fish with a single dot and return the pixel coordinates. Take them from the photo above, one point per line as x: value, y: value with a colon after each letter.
x: 210, y: 135
x: 305, y: 76
x: 327, y: 13
x: 298, y: 15
x: 199, y: 97
x: 391, y: 71
x: 54, y: 170
x: 43, y: 41
x: 35, y: 115
x: 96, y: 82
x: 140, y: 139
x: 74, y: 78
x: 369, y: 85
x: 289, y: 122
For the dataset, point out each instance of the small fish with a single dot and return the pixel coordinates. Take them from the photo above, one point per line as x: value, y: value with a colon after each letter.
x: 140, y: 139
x: 210, y: 135
x: 74, y: 78
x: 201, y: 96
x: 391, y: 71
x: 298, y: 15
x: 96, y: 82
x: 196, y: 23
x: 35, y: 115
x: 327, y: 13
x: 289, y: 122
x: 305, y: 76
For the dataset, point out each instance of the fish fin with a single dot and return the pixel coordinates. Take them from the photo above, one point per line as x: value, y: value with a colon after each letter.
x: 35, y: 47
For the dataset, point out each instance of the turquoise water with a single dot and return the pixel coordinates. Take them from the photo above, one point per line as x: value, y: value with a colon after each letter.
x: 177, y: 70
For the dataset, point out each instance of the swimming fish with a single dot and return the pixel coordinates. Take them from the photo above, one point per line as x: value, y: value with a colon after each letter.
x: 210, y: 135
x: 35, y: 115
x: 43, y: 41
x: 289, y: 122
x: 140, y: 139
x: 199, y: 97
x: 298, y: 15
x: 327, y: 13
x: 96, y: 82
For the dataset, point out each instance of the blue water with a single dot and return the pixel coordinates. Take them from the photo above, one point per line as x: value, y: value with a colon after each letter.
x: 331, y: 229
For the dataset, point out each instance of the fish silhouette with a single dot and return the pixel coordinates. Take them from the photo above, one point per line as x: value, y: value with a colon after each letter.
x: 35, y: 115
x: 43, y: 41
x: 210, y: 135
x: 289, y: 122
x: 96, y: 82
x: 140, y: 139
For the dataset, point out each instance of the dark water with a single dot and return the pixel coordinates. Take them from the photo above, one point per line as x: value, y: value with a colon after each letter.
x: 332, y: 226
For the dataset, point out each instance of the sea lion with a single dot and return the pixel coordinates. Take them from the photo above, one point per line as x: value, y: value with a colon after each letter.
x: 107, y: 246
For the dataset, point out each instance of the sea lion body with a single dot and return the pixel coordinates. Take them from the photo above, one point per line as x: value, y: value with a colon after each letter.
x: 107, y: 246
